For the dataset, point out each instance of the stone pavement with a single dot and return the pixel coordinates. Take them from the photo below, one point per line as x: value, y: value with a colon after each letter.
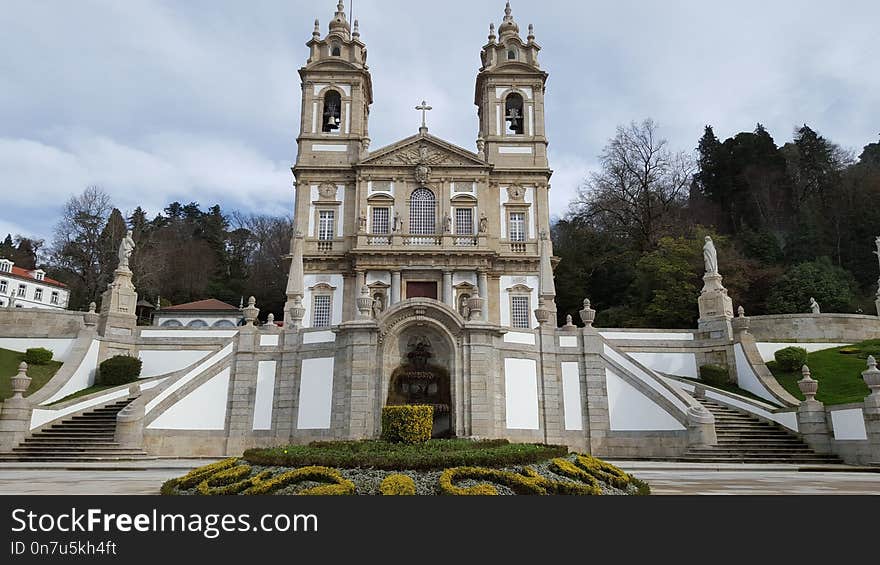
x: 145, y: 477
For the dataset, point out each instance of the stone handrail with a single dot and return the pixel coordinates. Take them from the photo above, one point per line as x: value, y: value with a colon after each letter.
x: 763, y: 374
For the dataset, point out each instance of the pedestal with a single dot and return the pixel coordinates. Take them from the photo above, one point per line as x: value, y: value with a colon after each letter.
x: 716, y: 309
x: 813, y: 426
x: 118, y: 305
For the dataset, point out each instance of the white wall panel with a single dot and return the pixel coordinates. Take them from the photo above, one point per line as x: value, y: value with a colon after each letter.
x: 202, y: 409
x: 571, y: 397
x: 747, y: 379
x: 315, y: 394
x: 849, y: 424
x: 264, y: 396
x: 521, y: 393
x: 678, y: 364
x: 768, y: 350
x: 60, y: 348
x: 83, y: 377
x: 161, y: 362
x: 631, y: 411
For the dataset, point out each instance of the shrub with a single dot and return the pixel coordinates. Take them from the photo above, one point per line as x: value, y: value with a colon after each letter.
x: 791, y: 358
x: 196, y: 476
x: 397, y: 485
x: 407, y: 424
x: 37, y: 356
x: 714, y: 375
x: 334, y: 483
x: 119, y: 370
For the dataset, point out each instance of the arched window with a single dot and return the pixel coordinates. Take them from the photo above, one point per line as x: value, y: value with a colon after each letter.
x: 513, y: 112
x: 423, y: 213
x: 171, y: 324
x: 332, y: 111
x: 197, y: 324
x: 223, y: 324
x: 335, y: 50
x: 511, y: 54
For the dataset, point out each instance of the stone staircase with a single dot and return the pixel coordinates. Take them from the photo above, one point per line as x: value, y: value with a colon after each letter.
x: 85, y: 437
x: 743, y: 438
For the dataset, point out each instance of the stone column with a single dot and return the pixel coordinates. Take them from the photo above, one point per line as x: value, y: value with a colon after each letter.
x: 447, y: 289
x: 483, y: 289
x: 395, y: 287
x: 811, y: 416
x: 15, y: 412
x: 361, y: 279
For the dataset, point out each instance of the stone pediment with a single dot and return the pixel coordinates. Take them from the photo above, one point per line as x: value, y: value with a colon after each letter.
x: 423, y: 149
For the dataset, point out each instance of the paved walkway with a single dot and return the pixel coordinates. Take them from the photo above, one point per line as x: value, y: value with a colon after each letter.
x: 665, y: 478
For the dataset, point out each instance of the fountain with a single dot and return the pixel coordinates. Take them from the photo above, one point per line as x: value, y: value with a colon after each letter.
x: 418, y: 382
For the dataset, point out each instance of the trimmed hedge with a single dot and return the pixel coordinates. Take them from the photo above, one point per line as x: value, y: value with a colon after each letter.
x: 37, y: 356
x: 714, y: 374
x: 407, y: 424
x: 119, y: 370
x: 435, y: 454
x: 589, y: 469
x: 397, y: 485
x: 528, y: 482
x: 336, y: 484
x: 791, y: 358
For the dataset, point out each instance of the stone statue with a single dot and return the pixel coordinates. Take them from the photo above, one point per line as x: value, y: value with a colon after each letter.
x: 710, y: 256
x: 362, y: 221
x: 814, y: 306
x: 378, y: 305
x: 484, y: 223
x: 447, y: 224
x: 126, y: 248
x: 877, y: 243
x: 464, y: 306
x: 397, y: 226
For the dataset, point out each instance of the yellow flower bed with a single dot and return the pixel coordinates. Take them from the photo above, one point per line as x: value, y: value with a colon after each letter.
x: 397, y: 485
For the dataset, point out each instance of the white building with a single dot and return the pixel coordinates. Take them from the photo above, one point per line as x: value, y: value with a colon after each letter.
x: 21, y: 288
x: 209, y: 313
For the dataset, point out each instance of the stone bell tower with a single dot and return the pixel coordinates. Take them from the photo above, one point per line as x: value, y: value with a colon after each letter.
x: 337, y: 92
x: 510, y: 98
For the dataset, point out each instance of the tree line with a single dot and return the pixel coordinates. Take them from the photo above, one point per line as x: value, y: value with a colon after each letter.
x: 790, y: 222
x: 182, y: 254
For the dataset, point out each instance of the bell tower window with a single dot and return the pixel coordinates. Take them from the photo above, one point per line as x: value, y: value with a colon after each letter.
x: 513, y: 112
x: 332, y: 111
x: 511, y: 55
x: 335, y: 50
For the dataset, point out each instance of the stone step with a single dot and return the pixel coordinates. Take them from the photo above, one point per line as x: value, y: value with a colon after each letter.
x: 76, y: 452
x: 74, y: 434
x: 37, y: 442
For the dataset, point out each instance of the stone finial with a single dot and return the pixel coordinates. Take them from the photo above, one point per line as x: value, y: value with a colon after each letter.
x: 809, y: 386
x: 872, y: 379
x: 476, y: 306
x: 316, y: 33
x: 92, y: 307
x: 270, y: 319
x: 741, y: 312
x: 91, y: 317
x: 365, y: 303
x: 492, y: 36
x: 543, y: 314
x: 588, y: 315
x: 569, y: 322
x: 357, y: 32
x: 251, y: 312
x: 295, y: 312
x: 21, y: 381
x: 531, y: 36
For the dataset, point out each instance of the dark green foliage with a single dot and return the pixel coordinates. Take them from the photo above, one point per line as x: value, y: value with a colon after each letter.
x: 791, y: 358
x: 119, y: 370
x: 434, y: 454
x: 37, y: 356
x: 831, y: 286
x: 714, y: 375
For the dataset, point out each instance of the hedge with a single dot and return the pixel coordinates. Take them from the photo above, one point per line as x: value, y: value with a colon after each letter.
x: 714, y: 375
x: 528, y: 482
x: 407, y: 424
x: 791, y: 358
x: 435, y: 454
x: 336, y: 484
x: 37, y: 356
x: 119, y: 370
x: 397, y: 485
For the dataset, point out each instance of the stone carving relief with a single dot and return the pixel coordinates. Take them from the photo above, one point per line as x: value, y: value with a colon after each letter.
x: 327, y: 191
x: 516, y: 192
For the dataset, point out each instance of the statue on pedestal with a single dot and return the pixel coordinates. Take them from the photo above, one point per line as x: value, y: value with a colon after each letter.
x: 710, y: 256
x: 814, y: 306
x: 126, y: 248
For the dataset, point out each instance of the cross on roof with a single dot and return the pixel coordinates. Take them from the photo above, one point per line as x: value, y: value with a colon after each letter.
x: 424, y: 108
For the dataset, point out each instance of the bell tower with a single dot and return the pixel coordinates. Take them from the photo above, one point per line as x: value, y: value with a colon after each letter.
x: 337, y: 92
x: 510, y: 99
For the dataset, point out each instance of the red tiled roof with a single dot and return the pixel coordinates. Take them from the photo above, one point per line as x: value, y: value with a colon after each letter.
x: 25, y: 274
x: 209, y: 305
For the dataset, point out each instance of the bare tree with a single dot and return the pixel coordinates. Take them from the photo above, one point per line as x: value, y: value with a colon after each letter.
x: 76, y: 246
x: 639, y: 187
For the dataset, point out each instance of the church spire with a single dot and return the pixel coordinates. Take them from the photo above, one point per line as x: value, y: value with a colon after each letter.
x: 339, y: 22
x: 508, y: 26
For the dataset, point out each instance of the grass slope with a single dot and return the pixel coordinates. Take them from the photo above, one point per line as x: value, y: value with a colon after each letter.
x: 40, y: 374
x: 839, y: 372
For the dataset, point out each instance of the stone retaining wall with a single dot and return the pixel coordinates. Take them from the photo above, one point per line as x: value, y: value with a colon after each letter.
x: 40, y: 323
x: 831, y: 328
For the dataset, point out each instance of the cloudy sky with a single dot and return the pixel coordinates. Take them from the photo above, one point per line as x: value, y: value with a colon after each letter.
x: 199, y: 100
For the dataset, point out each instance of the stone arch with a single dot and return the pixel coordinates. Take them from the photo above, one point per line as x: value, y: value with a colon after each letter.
x: 407, y: 323
x: 171, y: 324
x: 197, y: 324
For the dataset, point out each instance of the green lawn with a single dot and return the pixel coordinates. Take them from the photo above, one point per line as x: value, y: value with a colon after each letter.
x: 84, y: 392
x: 40, y: 374
x: 839, y: 372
